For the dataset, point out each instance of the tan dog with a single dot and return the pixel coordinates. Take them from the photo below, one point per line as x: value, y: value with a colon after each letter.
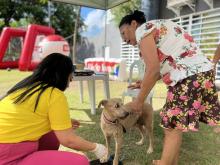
x: 116, y: 118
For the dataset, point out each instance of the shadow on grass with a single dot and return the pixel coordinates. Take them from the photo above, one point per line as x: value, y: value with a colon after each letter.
x: 197, y: 148
x: 131, y: 153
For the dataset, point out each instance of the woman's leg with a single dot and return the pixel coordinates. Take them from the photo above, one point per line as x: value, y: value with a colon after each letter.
x: 11, y: 153
x: 54, y: 158
x: 171, y: 147
x: 48, y: 141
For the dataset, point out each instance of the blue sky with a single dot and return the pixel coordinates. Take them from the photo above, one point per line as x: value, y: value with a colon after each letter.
x: 94, y: 19
x: 85, y: 11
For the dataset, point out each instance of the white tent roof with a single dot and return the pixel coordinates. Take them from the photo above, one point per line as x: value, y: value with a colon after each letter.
x: 98, y: 4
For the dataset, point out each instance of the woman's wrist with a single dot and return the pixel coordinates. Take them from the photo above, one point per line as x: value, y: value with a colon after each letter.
x: 93, y: 147
x: 140, y: 98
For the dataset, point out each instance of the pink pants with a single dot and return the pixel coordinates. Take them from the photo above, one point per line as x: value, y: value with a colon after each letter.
x: 43, y: 152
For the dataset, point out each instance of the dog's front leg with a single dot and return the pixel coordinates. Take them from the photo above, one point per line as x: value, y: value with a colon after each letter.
x: 118, y: 144
x: 108, y: 139
x: 106, y: 157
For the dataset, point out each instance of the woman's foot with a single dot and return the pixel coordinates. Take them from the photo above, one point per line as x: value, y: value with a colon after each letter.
x: 156, y: 162
x: 217, y: 130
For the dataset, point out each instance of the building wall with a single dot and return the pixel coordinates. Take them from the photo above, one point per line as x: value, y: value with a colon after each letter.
x: 93, y: 47
x: 200, y: 6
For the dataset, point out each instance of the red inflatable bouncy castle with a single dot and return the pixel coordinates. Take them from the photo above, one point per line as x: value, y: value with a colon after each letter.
x: 25, y: 61
x: 29, y: 42
x: 7, y: 34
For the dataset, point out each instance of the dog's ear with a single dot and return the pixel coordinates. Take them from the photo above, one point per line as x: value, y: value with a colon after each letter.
x: 102, y: 103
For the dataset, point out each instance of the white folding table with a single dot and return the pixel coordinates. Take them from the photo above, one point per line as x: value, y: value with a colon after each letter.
x: 91, y: 87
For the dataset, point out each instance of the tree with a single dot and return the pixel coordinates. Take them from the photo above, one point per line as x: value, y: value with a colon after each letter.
x: 125, y: 9
x: 33, y: 11
x: 19, y: 13
x: 63, y: 19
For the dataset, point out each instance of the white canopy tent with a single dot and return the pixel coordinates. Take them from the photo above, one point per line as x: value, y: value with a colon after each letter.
x: 97, y: 4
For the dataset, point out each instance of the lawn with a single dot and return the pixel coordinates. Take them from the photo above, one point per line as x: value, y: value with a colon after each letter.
x: 200, y: 148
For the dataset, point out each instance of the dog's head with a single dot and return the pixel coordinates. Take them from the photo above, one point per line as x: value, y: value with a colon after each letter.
x: 114, y: 108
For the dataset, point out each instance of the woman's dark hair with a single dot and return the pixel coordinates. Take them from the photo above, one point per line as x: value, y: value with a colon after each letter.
x: 53, y: 71
x: 137, y: 15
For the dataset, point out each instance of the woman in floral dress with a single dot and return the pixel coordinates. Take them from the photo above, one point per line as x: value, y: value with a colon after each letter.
x: 171, y: 54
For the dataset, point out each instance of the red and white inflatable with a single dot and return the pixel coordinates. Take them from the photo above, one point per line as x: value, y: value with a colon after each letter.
x: 38, y: 42
x: 25, y: 62
x: 53, y: 44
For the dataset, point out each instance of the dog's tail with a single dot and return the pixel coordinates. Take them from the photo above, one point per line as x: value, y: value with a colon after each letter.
x: 102, y: 103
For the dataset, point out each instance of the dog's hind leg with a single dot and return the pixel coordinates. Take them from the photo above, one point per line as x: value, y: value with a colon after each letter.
x: 142, y: 132
x: 149, y: 128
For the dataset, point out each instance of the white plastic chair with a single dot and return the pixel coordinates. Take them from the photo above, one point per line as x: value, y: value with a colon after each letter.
x: 134, y: 92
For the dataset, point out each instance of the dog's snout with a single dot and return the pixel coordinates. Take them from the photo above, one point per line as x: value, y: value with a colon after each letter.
x: 126, y: 114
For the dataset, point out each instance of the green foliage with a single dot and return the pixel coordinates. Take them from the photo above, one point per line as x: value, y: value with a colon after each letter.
x: 20, y: 13
x: 63, y: 18
x: 34, y: 11
x: 125, y: 9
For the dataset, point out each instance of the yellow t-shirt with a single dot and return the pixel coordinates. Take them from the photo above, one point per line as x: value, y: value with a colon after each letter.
x: 19, y: 122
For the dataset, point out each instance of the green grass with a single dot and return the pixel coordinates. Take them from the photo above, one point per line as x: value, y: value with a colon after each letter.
x: 201, y: 148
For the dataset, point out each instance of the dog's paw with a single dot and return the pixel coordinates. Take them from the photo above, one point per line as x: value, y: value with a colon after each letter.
x: 150, y: 150
x: 141, y: 142
x: 115, y: 162
x: 104, y: 159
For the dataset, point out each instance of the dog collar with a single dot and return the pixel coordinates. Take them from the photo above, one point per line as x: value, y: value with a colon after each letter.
x: 113, y: 122
x: 109, y: 121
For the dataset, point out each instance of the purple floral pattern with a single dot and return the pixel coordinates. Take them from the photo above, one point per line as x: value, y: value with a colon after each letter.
x: 190, y: 101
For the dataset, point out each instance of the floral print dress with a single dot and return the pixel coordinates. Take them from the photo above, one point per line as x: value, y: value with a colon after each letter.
x: 179, y: 55
x: 188, y: 75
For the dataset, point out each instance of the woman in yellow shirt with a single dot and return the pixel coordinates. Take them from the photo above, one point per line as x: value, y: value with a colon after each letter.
x: 34, y: 119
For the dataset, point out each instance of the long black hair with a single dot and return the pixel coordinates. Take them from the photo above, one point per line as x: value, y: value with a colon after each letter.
x: 137, y: 15
x: 53, y: 71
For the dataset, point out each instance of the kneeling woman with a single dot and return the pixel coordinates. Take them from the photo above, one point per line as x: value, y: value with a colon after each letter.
x: 34, y: 119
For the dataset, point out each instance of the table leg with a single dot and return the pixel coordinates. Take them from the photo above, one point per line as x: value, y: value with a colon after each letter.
x: 91, y: 87
x: 81, y: 91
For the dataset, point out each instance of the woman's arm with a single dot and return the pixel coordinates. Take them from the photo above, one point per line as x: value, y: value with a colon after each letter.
x: 149, y: 54
x: 69, y: 139
x: 217, y: 55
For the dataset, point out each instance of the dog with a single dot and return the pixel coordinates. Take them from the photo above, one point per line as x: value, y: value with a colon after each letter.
x: 116, y: 118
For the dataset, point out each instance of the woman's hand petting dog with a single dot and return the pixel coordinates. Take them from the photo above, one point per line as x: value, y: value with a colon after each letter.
x: 136, y: 106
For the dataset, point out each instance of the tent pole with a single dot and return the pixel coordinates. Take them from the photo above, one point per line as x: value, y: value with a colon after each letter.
x: 105, y: 36
x: 49, y: 13
x: 75, y: 36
